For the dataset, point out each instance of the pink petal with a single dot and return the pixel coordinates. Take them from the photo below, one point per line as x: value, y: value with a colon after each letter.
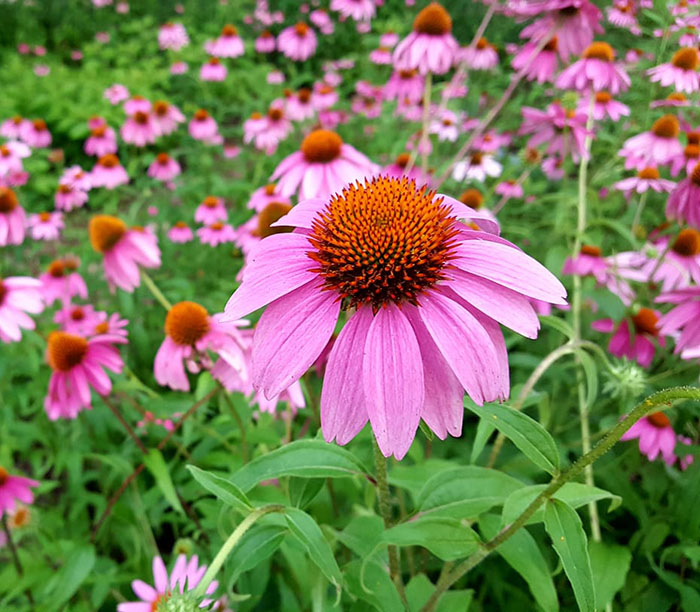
x: 290, y: 335
x: 393, y: 381
x: 343, y: 412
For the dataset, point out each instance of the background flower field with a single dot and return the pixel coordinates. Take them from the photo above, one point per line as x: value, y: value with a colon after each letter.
x: 202, y: 136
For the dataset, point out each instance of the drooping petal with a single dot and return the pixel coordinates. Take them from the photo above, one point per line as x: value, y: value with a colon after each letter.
x: 465, y: 344
x: 343, y: 410
x: 279, y: 264
x: 290, y: 335
x: 392, y: 372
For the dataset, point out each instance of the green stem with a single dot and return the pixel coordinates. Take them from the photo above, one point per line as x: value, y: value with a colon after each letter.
x: 239, y: 422
x: 576, y: 311
x: 152, y: 287
x: 385, y: 510
x: 650, y: 404
x: 638, y: 212
x: 230, y: 543
x: 422, y: 141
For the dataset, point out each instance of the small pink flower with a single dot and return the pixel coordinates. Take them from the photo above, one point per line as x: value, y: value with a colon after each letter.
x: 543, y: 67
x: 430, y: 47
x: 79, y: 319
x: 681, y: 72
x: 681, y: 321
x: 359, y: 10
x: 19, y: 295
x: 604, y: 106
x: 62, y: 282
x: 11, y: 155
x: 398, y: 169
x: 116, y: 93
x: 210, y: 211
x: 77, y: 178
x: 404, y: 85
x: 46, y: 225
x: 597, y: 70
x: 265, y: 43
x: 509, y: 189
x: 68, y: 197
x: 77, y: 365
x: 173, y: 36
x: 684, y: 202
x: 166, y: 116
x: 180, y: 233
x: 164, y: 168
x: 482, y: 56
x: 189, y: 333
x: 13, y: 489
x: 217, y: 233
x: 184, y: 577
x: 275, y: 77
x: 124, y: 250
x: 324, y: 165
x: 229, y: 44
x: 213, y: 70
x: 564, y: 132
x: 265, y: 195
x: 179, y: 68
x: 42, y: 70
x: 13, y: 127
x: 655, y: 147
x: 137, y: 104
x: 102, y: 141
x: 35, y: 134
x: 477, y: 167
x: 203, y: 127
x: 637, y: 346
x: 656, y: 437
x: 297, y: 42
x: 299, y: 106
x: 108, y: 173
x: 647, y: 178
x: 102, y: 37
x: 12, y: 218
x: 380, y: 56
x: 139, y: 129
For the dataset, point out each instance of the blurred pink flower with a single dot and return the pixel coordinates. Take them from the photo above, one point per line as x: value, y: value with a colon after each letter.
x: 139, y: 129
x: 323, y: 166
x: 229, y: 43
x: 13, y: 489
x: 166, y: 117
x: 124, y: 250
x: 12, y: 218
x: 164, y: 168
x: 35, y: 134
x: 681, y: 71
x: 62, y: 282
x: 217, y: 233
x: 297, y: 42
x: 116, y: 93
x: 102, y: 141
x: 173, y: 36
x: 203, y: 127
x: 211, y: 209
x: 180, y: 233
x: 634, y: 336
x: 19, y: 297
x: 213, y: 70
x: 656, y: 437
x: 108, y: 173
x: 46, y: 225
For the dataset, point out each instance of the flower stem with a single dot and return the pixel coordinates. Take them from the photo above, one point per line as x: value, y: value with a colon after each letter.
x: 638, y: 213
x: 385, y: 510
x: 650, y: 404
x: 153, y: 288
x: 576, y: 311
x: 239, y: 422
x: 423, y: 140
x: 229, y: 544
x: 15, y: 555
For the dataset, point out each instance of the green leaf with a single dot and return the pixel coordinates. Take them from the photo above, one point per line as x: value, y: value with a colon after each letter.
x: 446, y: 538
x: 362, y: 534
x: 610, y: 564
x: 67, y: 580
x: 527, y: 434
x: 483, y: 432
x: 575, y: 494
x: 156, y: 465
x: 309, y: 534
x: 373, y: 585
x: 558, y: 324
x: 302, y: 491
x: 521, y: 552
x: 304, y: 458
x: 254, y: 547
x: 465, y: 492
x: 569, y: 540
x: 223, y: 489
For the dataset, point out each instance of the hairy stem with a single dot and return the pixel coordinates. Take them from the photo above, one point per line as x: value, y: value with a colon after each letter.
x: 239, y: 422
x: 385, y: 510
x: 650, y: 404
